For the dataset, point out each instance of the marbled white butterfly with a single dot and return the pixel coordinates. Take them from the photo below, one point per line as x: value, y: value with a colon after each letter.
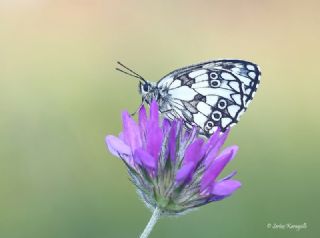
x: 209, y: 95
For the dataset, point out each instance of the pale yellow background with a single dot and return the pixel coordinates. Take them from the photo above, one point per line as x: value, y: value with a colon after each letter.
x: 60, y: 95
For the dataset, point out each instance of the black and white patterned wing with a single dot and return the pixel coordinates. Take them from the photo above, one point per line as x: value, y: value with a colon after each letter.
x: 211, y: 94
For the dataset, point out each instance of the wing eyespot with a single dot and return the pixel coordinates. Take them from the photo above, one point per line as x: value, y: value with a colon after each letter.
x: 215, y: 83
x: 216, y: 115
x: 213, y: 75
x: 222, y: 104
x: 209, y: 125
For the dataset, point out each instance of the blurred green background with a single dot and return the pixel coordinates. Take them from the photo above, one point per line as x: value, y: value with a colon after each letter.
x: 60, y: 96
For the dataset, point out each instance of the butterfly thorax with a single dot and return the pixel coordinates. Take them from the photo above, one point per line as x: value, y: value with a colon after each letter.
x: 150, y: 91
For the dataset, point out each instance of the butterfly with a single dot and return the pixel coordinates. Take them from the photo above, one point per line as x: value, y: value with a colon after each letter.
x: 209, y: 95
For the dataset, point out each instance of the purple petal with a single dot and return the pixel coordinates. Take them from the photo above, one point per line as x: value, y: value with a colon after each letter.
x: 154, y: 112
x: 186, y: 135
x: 172, y: 141
x: 226, y: 187
x: 212, y: 141
x: 131, y: 132
x: 117, y: 146
x: 229, y: 176
x: 166, y: 124
x: 215, y: 198
x: 119, y: 149
x: 216, y: 168
x: 193, y: 152
x: 143, y: 118
x: 154, y: 140
x: 144, y: 159
x: 190, y: 135
x: 184, y: 174
x: 120, y: 136
x: 233, y: 149
x: 179, y: 128
x: 216, y: 148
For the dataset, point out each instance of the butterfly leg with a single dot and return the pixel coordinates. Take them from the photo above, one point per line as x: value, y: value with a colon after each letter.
x: 138, y: 109
x: 166, y: 111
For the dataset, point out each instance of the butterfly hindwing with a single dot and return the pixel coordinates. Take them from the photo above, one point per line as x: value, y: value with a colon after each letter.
x: 212, y: 94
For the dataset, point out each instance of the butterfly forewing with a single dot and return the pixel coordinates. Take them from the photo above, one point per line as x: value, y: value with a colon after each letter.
x: 211, y: 94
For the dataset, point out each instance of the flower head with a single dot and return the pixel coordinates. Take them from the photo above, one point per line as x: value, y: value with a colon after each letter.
x: 173, y: 169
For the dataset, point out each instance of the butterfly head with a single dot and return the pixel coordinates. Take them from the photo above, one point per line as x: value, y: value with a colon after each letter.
x: 148, y: 91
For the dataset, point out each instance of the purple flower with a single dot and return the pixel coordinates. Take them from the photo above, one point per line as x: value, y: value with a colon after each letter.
x: 173, y: 169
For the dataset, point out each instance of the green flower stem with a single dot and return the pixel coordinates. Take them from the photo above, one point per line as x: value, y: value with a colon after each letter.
x: 153, y: 220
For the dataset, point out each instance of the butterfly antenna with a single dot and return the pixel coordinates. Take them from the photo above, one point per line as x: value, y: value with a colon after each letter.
x: 131, y: 72
x: 132, y: 75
